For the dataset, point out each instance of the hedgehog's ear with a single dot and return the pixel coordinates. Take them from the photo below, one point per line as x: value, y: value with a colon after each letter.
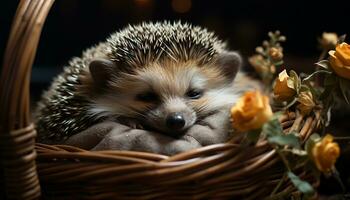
x: 101, y: 70
x: 229, y: 62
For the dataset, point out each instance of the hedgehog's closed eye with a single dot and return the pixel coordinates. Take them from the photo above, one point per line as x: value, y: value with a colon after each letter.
x: 147, y: 97
x: 194, y: 94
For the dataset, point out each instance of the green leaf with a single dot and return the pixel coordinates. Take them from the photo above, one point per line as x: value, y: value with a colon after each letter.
x: 254, y: 135
x: 294, y: 132
x: 330, y: 80
x: 316, y: 72
x: 325, y: 94
x: 277, y: 115
x: 304, y: 88
x: 301, y: 185
x: 341, y: 39
x: 313, y: 139
x: 290, y: 140
x: 279, y: 63
x: 272, y: 127
x: 296, y: 80
x: 324, y: 64
x: 298, y: 152
x: 316, y: 91
x: 327, y: 118
x: 291, y: 103
x: 344, y: 86
x: 290, y: 84
x: 310, y: 166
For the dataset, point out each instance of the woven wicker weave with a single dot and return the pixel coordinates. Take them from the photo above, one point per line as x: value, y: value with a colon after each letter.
x: 219, y: 171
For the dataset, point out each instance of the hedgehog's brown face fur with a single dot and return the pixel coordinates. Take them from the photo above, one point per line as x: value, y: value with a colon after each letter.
x: 166, y: 96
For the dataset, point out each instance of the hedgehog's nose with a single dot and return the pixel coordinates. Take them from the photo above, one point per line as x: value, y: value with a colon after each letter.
x: 175, y: 121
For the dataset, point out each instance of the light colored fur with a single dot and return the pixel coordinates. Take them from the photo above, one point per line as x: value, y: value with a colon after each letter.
x: 170, y: 80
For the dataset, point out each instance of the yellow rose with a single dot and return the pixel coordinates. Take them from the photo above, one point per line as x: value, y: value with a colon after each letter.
x: 329, y: 40
x: 340, y: 60
x: 251, y: 111
x: 306, y: 102
x: 325, y: 153
x: 284, y: 89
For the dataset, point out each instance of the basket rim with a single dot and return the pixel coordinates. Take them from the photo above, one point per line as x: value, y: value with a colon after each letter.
x: 24, y: 159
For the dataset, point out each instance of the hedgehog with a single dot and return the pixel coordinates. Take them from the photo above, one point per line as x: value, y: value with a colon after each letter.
x: 159, y: 76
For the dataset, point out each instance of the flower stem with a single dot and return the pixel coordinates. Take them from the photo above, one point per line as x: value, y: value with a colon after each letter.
x: 323, y: 55
x: 284, y: 159
x: 337, y: 177
x: 278, y: 185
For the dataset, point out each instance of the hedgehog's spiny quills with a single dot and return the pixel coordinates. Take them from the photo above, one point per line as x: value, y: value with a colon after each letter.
x: 138, y: 45
x: 63, y: 110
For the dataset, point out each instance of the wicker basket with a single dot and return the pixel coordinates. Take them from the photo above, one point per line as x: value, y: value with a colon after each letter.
x: 218, y: 171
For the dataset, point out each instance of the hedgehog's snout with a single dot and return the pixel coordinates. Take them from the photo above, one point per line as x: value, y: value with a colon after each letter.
x: 178, y: 117
x: 172, y: 117
x: 175, y: 121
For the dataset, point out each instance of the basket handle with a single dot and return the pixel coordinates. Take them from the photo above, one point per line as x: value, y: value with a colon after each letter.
x: 17, y: 133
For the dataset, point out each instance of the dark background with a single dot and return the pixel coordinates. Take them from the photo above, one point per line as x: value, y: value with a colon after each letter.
x: 73, y: 25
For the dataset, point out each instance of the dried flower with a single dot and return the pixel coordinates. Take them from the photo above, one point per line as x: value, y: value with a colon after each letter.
x: 251, y: 111
x: 306, y: 102
x: 276, y: 54
x: 284, y: 89
x: 340, y: 60
x: 325, y: 153
x: 259, y: 63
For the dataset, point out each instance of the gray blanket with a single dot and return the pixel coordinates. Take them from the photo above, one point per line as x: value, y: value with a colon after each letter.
x: 110, y: 135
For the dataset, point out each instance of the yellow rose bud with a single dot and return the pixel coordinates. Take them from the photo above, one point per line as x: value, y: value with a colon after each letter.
x: 329, y: 40
x: 340, y: 60
x: 306, y: 102
x: 276, y: 54
x: 259, y: 63
x: 284, y: 89
x: 251, y: 111
x: 325, y: 153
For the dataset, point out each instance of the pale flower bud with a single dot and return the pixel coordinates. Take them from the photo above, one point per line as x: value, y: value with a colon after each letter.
x: 329, y: 40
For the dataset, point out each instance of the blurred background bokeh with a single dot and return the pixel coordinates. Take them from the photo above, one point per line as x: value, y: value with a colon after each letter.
x: 73, y: 25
